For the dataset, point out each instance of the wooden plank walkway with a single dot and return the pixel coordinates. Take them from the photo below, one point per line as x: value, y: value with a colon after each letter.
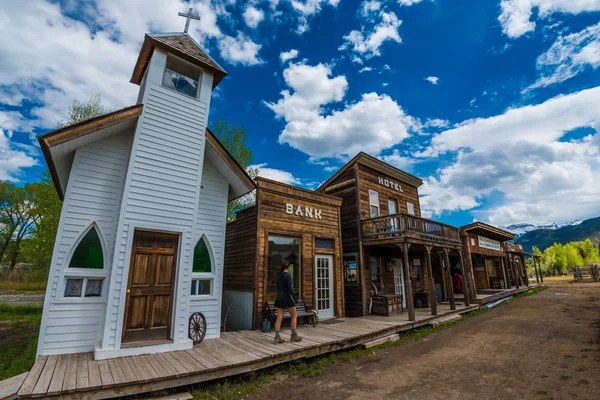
x: 79, y: 376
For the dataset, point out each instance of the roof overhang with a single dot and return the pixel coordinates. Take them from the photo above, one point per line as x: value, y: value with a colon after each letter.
x: 488, y: 231
x: 240, y: 182
x: 59, y: 145
x: 378, y: 165
x: 148, y: 47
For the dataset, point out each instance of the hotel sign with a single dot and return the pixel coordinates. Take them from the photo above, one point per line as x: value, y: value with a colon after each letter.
x: 389, y: 184
x: 489, y: 244
x: 303, y: 211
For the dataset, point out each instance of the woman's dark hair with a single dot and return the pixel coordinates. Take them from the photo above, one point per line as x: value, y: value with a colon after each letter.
x: 284, y: 265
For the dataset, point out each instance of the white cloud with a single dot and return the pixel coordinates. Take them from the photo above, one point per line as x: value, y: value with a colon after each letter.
x: 515, y: 17
x: 520, y: 155
x: 288, y: 55
x: 399, y: 161
x: 51, y: 73
x: 432, y: 79
x: 365, y: 69
x: 240, y: 50
x: 368, y: 41
x: 369, y: 7
x: 276, y: 174
x: 306, y: 9
x: 540, y: 123
x: 569, y: 56
x: 408, y: 2
x: 373, y: 123
x: 253, y: 16
x: 11, y: 160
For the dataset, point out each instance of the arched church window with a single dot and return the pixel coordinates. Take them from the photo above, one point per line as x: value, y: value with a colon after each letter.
x: 202, y: 282
x: 88, y: 253
x: 201, y: 258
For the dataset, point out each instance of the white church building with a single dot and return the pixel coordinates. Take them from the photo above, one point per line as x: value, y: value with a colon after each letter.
x: 139, y: 249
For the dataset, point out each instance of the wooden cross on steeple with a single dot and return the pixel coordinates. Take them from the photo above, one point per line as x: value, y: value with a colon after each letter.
x: 188, y: 16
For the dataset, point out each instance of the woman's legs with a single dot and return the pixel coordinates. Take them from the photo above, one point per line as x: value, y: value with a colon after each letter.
x: 294, y: 315
x: 280, y: 312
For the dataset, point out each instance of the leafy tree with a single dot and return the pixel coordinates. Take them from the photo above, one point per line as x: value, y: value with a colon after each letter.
x: 16, y: 205
x: 39, y: 247
x: 84, y: 110
x: 235, y: 140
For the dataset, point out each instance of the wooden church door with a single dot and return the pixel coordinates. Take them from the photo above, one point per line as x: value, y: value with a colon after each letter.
x: 149, y: 301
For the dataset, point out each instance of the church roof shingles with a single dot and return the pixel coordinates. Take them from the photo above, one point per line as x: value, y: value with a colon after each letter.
x: 181, y: 45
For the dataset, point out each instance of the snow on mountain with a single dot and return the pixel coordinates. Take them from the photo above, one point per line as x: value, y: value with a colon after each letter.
x: 521, y: 229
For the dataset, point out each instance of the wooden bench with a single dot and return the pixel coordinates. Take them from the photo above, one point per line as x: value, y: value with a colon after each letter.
x: 592, y: 271
x: 303, y: 310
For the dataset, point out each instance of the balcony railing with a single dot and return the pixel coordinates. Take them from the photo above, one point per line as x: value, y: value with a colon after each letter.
x: 397, y: 225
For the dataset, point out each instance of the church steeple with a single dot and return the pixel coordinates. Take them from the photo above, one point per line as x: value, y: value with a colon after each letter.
x: 179, y: 47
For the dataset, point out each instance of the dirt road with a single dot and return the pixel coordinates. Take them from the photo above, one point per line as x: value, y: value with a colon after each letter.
x: 545, y: 346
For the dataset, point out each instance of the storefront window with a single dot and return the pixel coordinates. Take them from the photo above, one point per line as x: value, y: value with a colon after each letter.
x: 283, y: 249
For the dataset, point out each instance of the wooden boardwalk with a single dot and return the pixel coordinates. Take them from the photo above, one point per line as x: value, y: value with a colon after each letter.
x: 79, y: 376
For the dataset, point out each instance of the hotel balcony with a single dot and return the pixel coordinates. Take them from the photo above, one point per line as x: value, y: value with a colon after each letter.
x: 403, y: 226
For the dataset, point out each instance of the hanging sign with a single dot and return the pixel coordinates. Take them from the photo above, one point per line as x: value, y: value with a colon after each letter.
x: 303, y: 211
x: 389, y: 184
x: 489, y: 244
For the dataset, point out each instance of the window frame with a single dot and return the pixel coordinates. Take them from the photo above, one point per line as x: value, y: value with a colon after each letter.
x: 211, y: 281
x: 289, y: 235
x: 200, y: 76
x: 374, y: 205
x: 83, y: 273
x: 210, y: 276
x: 408, y: 208
x: 83, y: 297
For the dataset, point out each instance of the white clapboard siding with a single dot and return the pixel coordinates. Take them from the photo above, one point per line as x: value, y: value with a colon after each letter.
x: 210, y: 223
x: 93, y: 196
x: 161, y: 192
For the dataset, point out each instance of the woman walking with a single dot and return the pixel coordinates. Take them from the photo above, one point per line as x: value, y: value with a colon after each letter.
x: 285, y: 301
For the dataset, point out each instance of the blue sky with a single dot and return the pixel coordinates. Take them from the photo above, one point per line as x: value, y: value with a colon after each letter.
x: 494, y: 104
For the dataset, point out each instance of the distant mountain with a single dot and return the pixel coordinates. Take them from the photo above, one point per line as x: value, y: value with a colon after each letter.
x: 520, y: 229
x: 546, y: 237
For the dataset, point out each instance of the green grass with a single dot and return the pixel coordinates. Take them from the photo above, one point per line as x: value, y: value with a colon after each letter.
x: 15, y: 286
x: 254, y: 384
x: 19, y: 329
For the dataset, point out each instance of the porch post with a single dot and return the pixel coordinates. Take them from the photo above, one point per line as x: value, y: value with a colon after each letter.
x: 524, y: 269
x: 469, y: 266
x: 451, y: 288
x: 505, y: 274
x: 466, y: 281
x: 540, y: 267
x: 537, y: 278
x: 432, y: 298
x: 515, y: 270
x: 408, y: 283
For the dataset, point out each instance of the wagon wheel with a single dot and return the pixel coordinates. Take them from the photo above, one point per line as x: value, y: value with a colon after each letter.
x: 197, y: 327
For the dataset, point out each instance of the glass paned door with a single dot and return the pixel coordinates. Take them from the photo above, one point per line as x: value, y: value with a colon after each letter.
x: 324, y: 285
x: 399, y: 279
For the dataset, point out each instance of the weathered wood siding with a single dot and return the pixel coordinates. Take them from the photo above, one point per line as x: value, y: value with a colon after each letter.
x: 240, y: 252
x: 273, y: 220
x: 475, y: 249
x: 368, y: 180
x: 72, y: 325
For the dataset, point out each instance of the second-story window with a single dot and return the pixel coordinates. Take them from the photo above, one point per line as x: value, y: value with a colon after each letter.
x: 181, y: 76
x: 410, y: 208
x: 374, y: 203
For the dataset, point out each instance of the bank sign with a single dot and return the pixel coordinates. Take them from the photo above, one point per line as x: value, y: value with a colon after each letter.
x: 303, y: 211
x: 389, y: 184
x: 489, y: 244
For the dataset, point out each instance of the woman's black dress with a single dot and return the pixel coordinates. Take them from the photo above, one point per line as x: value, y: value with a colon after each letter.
x: 286, y: 298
